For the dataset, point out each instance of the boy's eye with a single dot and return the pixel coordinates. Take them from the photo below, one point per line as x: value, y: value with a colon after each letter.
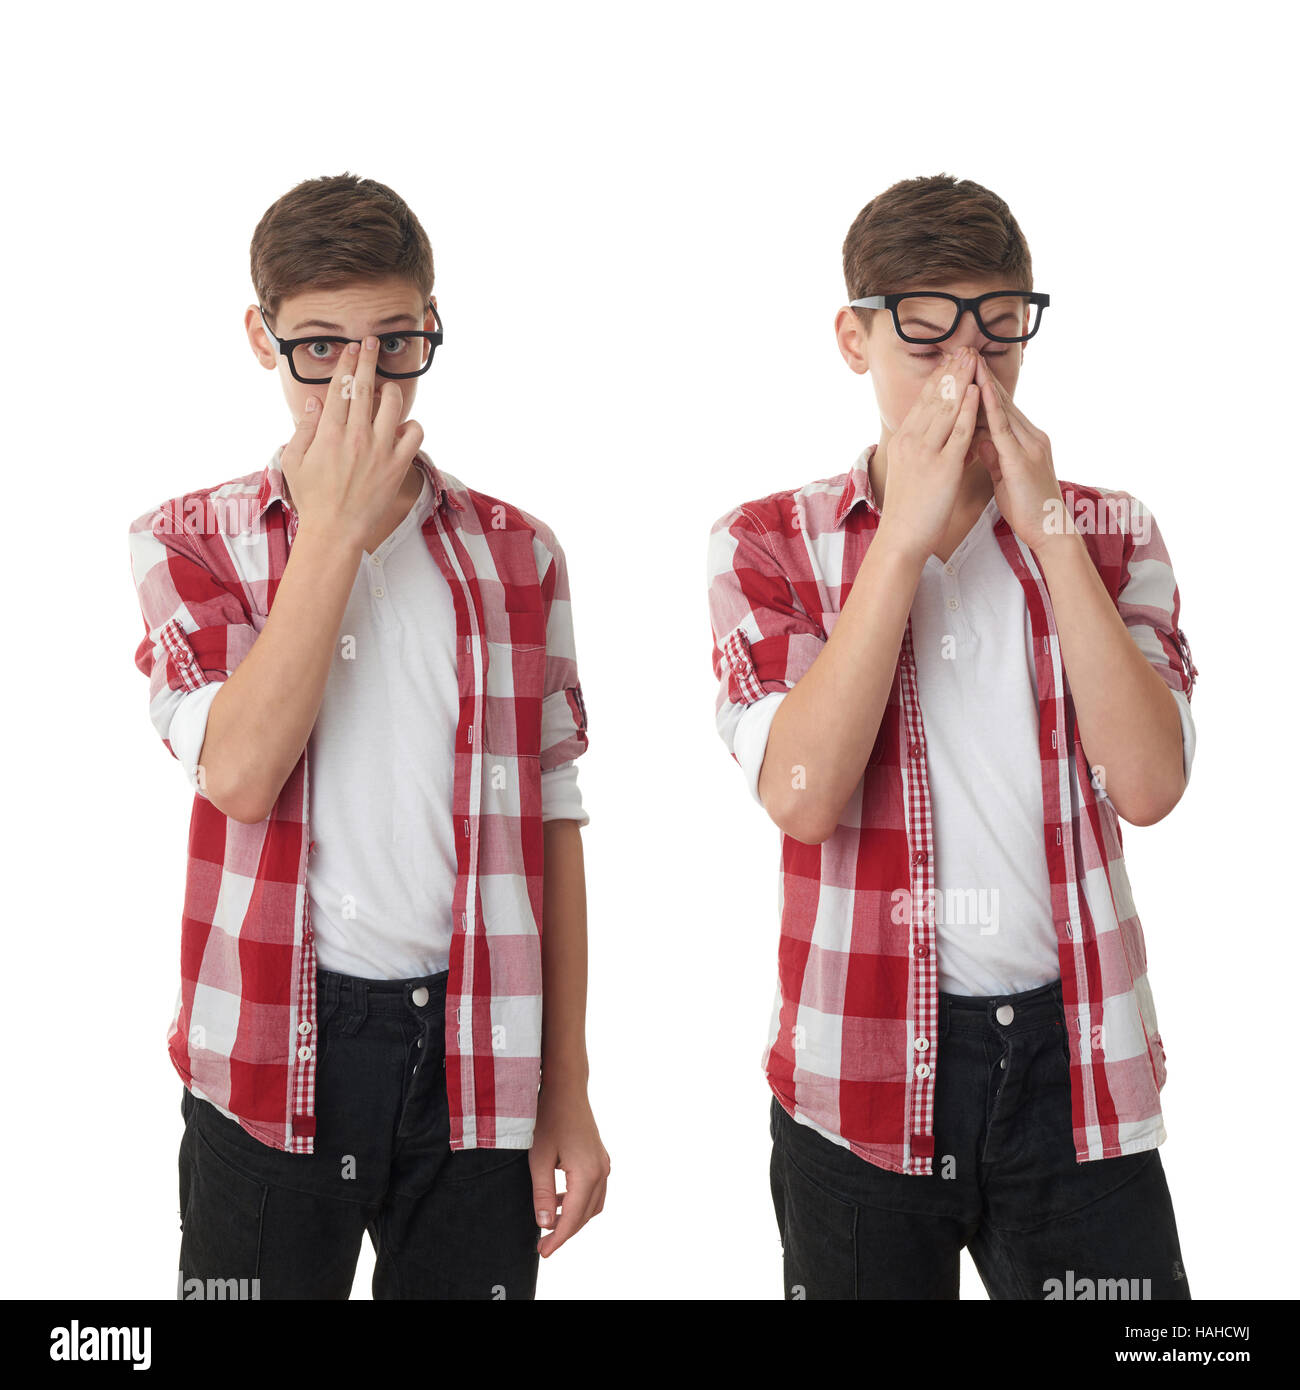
x: 935, y: 352
x: 326, y: 349
x: 392, y: 345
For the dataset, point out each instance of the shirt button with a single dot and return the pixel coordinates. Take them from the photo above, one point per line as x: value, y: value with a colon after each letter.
x: 921, y: 952
x: 374, y: 559
x: 915, y: 750
x: 947, y: 569
x: 919, y: 857
x: 379, y: 592
x: 304, y: 1053
x: 1005, y: 1014
x: 923, y: 1070
x: 420, y: 997
x: 952, y: 603
x: 304, y: 1027
x: 921, y: 1044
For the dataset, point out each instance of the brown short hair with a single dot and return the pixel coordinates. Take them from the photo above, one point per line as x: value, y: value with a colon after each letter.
x: 333, y: 231
x: 921, y: 233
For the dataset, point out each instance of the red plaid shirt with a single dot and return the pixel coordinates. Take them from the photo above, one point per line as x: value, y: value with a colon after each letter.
x: 207, y: 566
x: 852, y: 1048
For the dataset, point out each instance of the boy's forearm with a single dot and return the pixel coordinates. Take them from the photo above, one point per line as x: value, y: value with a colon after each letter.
x: 260, y: 720
x: 1128, y: 719
x: 827, y: 725
x: 564, y: 957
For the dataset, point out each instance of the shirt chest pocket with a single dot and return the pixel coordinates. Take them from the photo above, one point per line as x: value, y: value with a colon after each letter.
x: 516, y: 677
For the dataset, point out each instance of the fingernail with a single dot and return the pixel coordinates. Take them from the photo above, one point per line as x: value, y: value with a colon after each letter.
x: 543, y: 1218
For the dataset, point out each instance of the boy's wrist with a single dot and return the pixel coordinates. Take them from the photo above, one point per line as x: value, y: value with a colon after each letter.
x: 1052, y: 544
x: 336, y: 533
x: 899, y: 547
x: 565, y: 1073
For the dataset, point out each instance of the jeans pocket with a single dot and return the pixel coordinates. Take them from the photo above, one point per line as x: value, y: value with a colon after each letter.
x: 1063, y: 1032
x: 324, y: 1014
x: 468, y: 1165
x: 221, y: 1240
x: 819, y: 1233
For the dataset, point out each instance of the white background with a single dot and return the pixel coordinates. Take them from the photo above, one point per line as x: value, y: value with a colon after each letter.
x: 636, y: 216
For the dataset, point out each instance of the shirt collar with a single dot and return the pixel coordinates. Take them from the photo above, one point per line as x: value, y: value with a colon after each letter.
x: 271, y: 487
x: 857, y: 488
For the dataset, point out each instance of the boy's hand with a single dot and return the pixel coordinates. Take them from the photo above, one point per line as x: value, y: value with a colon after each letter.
x: 566, y: 1138
x: 1019, y: 460
x: 927, y: 455
x: 345, y: 469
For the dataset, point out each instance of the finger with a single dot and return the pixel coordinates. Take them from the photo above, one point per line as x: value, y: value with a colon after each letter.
x: 992, y: 388
x: 573, y: 1211
x: 545, y: 1204
x: 390, y: 409
x: 946, y: 404
x: 304, y: 431
x: 963, y: 427
x: 597, y: 1203
x: 407, y: 441
x: 337, y: 397
x: 932, y: 391
x: 1000, y: 426
x: 362, y: 389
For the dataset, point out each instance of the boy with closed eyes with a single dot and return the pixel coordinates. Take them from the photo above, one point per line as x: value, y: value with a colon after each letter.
x: 947, y: 676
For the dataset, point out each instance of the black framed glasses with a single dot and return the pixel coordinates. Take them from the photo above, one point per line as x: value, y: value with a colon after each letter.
x: 930, y: 316
x: 403, y: 353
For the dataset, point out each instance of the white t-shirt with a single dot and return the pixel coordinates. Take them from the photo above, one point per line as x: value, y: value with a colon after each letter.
x: 382, y: 876
x: 973, y: 643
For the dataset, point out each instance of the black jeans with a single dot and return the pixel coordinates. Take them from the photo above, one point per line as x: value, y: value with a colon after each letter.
x: 1005, y: 1184
x: 443, y: 1224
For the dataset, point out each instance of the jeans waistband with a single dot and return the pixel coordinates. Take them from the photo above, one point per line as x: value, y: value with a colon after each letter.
x: 381, y: 996
x: 973, y: 1013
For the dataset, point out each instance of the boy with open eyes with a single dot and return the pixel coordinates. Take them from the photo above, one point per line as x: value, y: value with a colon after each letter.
x: 947, y: 676
x: 367, y: 670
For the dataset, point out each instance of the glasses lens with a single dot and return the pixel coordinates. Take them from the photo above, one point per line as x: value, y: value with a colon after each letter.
x: 398, y: 354
x: 925, y: 318
x: 1004, y: 317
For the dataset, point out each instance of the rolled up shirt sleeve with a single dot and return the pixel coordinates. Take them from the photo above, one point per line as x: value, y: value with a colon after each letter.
x: 763, y: 640
x: 1148, y: 601
x: 189, y: 727
x: 564, y: 712
x: 752, y: 729
x: 196, y: 629
x: 561, y: 798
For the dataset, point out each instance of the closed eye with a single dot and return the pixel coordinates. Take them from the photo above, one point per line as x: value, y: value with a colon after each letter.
x: 935, y: 353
